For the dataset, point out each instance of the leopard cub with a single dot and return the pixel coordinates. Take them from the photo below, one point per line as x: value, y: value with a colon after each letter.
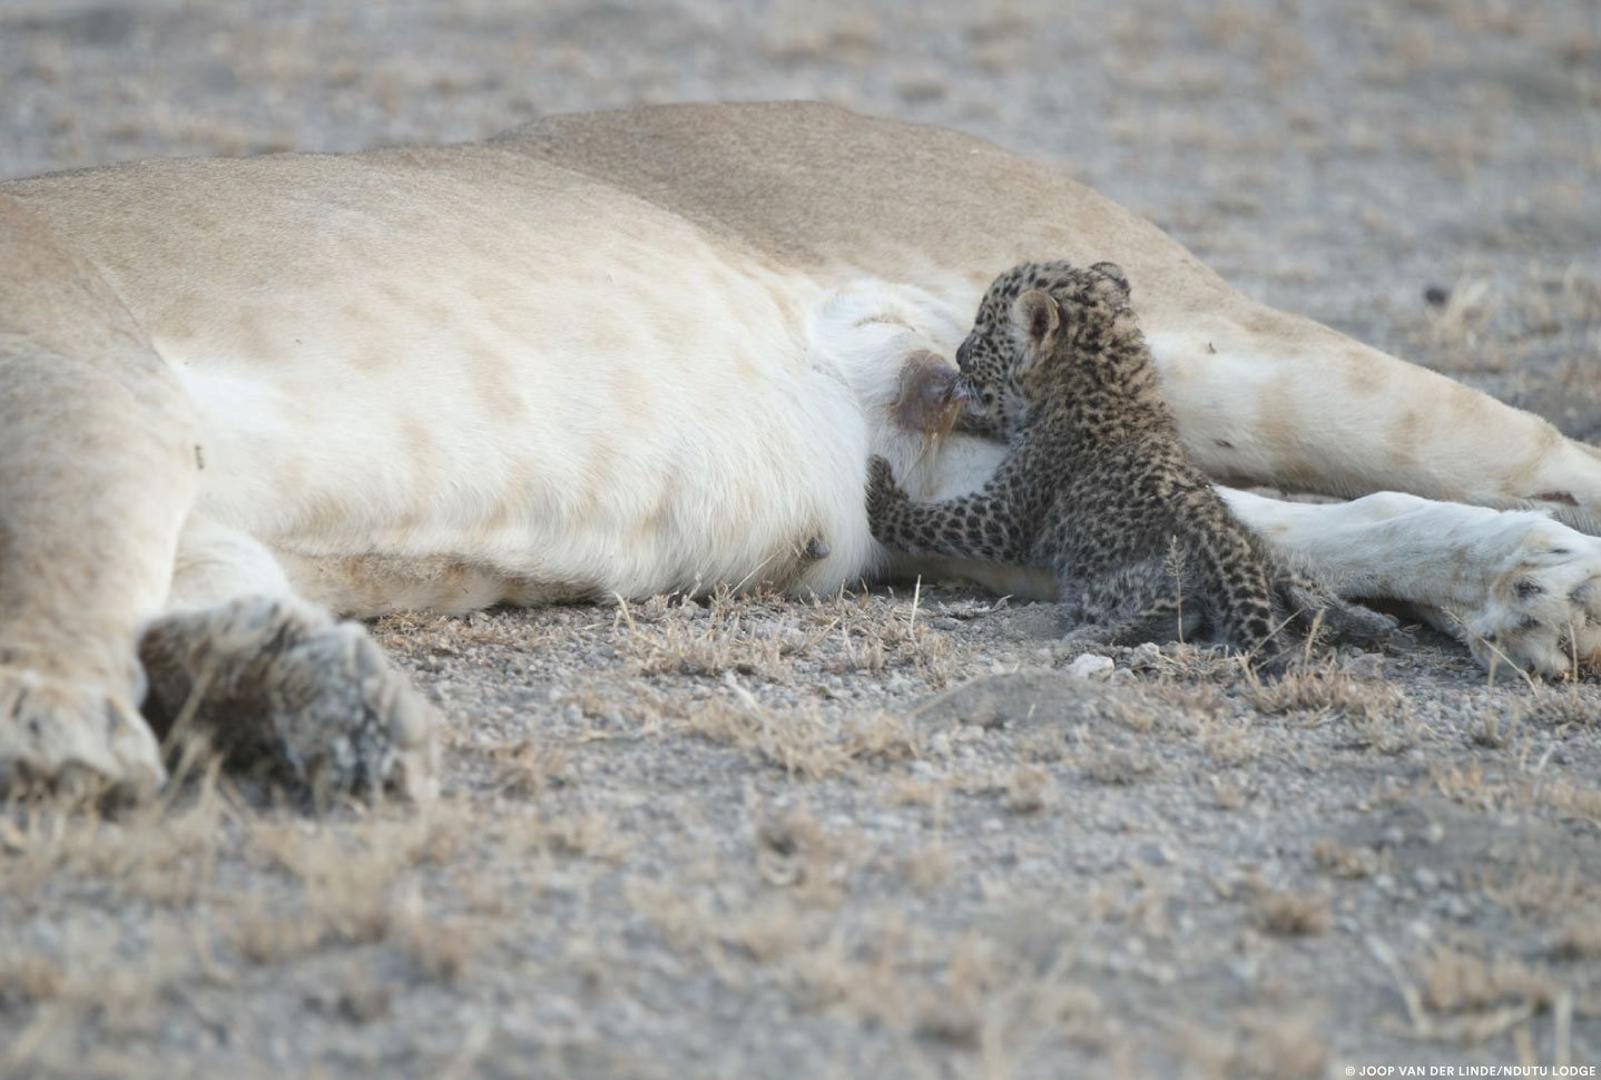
x: 1096, y: 485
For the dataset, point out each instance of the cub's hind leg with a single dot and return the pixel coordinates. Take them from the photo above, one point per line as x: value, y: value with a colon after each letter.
x: 1311, y: 607
x: 1140, y: 603
x: 278, y: 681
x: 98, y: 467
x: 1233, y: 576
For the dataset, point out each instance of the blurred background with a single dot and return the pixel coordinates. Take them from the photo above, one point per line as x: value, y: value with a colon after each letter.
x: 1421, y: 173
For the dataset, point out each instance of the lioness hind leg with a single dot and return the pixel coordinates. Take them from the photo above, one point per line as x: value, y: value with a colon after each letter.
x: 276, y: 681
x: 97, y: 470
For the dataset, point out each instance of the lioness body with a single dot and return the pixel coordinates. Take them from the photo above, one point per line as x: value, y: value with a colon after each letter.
x: 610, y: 353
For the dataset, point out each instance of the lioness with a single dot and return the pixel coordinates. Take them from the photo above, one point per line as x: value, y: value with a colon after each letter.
x: 614, y: 354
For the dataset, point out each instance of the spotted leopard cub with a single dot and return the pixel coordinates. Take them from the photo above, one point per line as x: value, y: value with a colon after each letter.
x: 1096, y: 485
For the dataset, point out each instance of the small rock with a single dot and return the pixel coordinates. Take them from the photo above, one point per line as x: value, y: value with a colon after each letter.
x: 1427, y: 879
x: 1154, y: 854
x: 1146, y: 657
x: 1091, y: 666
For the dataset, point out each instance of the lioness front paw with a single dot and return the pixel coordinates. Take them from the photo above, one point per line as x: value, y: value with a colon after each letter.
x: 74, y: 741
x: 1542, y: 612
x: 283, y: 684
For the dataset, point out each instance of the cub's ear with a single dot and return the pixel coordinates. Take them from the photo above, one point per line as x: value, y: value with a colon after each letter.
x: 1113, y: 275
x: 1035, y: 319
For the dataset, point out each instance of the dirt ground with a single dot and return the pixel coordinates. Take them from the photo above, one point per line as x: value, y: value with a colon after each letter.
x: 887, y: 835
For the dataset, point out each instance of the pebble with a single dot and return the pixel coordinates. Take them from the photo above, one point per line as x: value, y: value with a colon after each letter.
x: 1146, y: 656
x: 1154, y: 854
x: 1091, y: 666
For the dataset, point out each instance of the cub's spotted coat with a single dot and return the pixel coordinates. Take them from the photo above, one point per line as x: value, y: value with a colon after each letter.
x: 1096, y: 485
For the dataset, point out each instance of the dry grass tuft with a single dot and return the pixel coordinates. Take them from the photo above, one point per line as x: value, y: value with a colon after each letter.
x: 525, y: 769
x: 929, y: 867
x: 1117, y: 765
x: 1292, y: 914
x: 793, y: 851
x: 28, y: 978
x: 1263, y: 1047
x: 1580, y: 939
x: 764, y: 635
x: 1326, y: 692
x: 803, y: 742
x: 1456, y: 981
x: 1029, y: 789
x: 351, y: 886
x: 1343, y: 861
x: 1561, y: 708
x: 1379, y: 716
x: 1496, y: 728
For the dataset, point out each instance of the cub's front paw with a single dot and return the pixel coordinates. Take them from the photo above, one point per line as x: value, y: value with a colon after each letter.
x: 884, y: 496
x: 74, y: 741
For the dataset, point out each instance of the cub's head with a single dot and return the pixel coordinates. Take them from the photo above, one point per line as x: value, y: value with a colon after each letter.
x: 1033, y: 319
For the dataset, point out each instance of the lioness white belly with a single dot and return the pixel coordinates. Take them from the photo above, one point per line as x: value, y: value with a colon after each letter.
x: 674, y: 431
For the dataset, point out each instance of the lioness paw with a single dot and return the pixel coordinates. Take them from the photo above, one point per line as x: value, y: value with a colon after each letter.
x: 73, y: 741
x: 281, y: 684
x: 1542, y: 612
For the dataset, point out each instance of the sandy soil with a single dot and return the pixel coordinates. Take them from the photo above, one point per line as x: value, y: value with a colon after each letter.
x: 878, y: 835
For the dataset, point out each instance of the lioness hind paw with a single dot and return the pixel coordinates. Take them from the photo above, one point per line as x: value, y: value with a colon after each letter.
x: 285, y: 686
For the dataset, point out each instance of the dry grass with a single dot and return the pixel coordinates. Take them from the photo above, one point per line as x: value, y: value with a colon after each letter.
x: 1457, y: 981
x: 763, y: 635
x: 1261, y: 1046
x: 803, y: 743
x: 1325, y: 692
x: 351, y: 888
x: 1288, y: 913
x: 794, y: 852
x: 1343, y: 861
x: 1029, y: 790
x: 1117, y: 765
